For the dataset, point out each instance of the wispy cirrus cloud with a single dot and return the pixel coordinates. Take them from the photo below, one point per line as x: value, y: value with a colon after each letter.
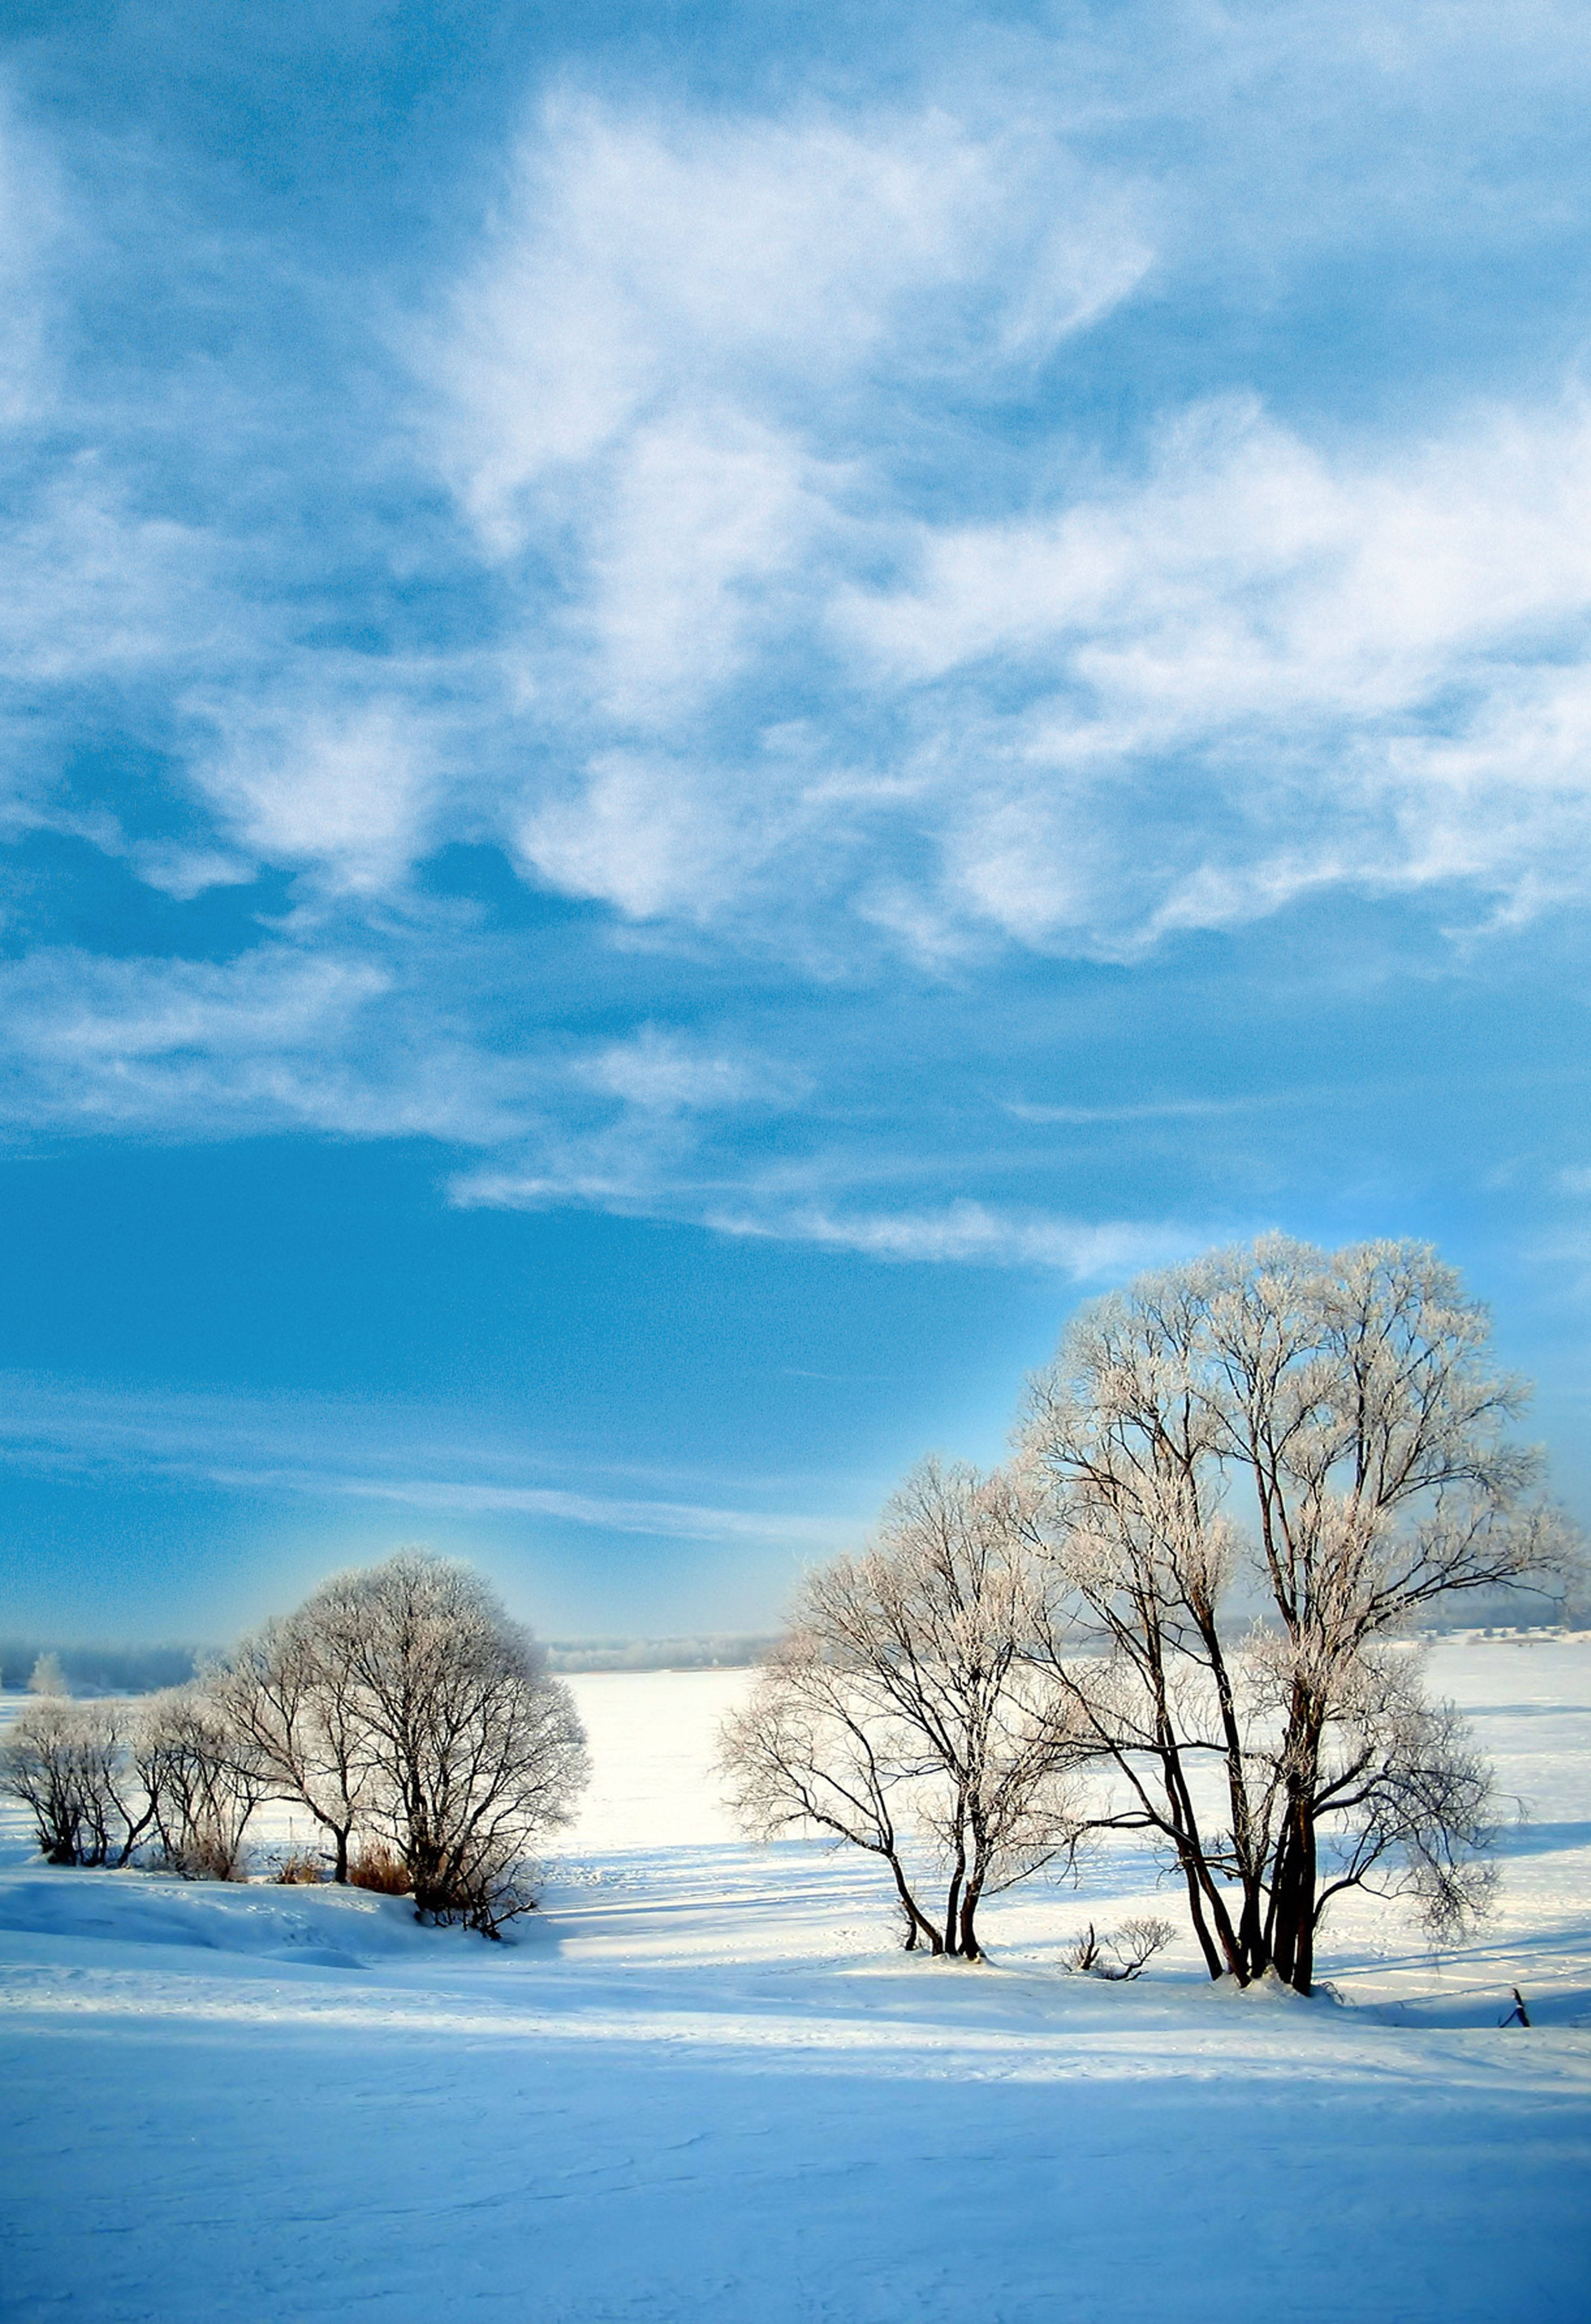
x: 977, y: 1233
x: 340, y: 1451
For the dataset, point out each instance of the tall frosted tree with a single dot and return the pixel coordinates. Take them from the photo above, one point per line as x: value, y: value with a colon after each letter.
x: 1253, y: 1473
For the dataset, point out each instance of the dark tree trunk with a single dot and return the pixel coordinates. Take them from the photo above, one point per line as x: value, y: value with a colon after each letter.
x: 952, y: 1903
x: 952, y: 1915
x: 916, y: 1920
x: 971, y: 1950
x: 1212, y: 1959
x: 1292, y: 1898
x: 1204, y: 1895
x: 1251, y: 1932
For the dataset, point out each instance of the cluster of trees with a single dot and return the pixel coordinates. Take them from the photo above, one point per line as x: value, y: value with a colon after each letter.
x: 399, y: 1707
x: 1178, y: 1611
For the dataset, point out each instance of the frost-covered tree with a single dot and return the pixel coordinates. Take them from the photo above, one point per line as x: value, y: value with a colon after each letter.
x: 901, y: 1713
x: 291, y: 1697
x: 204, y: 1781
x: 47, y: 1678
x: 471, y: 1753
x: 77, y: 1767
x: 1255, y: 1472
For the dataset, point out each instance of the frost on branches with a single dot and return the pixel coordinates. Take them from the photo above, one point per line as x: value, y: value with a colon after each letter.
x: 1180, y: 1612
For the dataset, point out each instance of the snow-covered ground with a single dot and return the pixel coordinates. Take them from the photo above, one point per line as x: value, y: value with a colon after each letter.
x: 703, y: 2086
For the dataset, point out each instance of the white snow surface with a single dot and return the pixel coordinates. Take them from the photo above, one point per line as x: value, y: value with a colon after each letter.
x: 704, y: 2084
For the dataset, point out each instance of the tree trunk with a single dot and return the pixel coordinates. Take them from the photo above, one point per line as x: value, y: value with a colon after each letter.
x: 952, y: 1905
x: 916, y: 1920
x: 1251, y: 1933
x: 1292, y: 1898
x: 952, y: 1915
x: 969, y: 1897
x: 1212, y: 1959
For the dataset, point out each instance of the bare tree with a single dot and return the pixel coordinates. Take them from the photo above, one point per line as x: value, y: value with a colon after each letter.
x: 292, y: 1699
x: 473, y: 1753
x: 815, y: 1750
x: 204, y: 1782
x: 74, y: 1769
x: 1348, y: 1406
x: 903, y: 1700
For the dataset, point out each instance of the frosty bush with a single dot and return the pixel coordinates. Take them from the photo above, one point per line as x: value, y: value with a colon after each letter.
x: 1121, y: 1954
x: 48, y: 1678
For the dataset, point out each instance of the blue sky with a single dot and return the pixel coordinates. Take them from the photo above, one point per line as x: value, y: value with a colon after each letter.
x: 705, y: 709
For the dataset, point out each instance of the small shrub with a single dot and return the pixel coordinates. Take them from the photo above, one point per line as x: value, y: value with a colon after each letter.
x: 374, y: 1864
x: 203, y: 1853
x: 1122, y: 1954
x: 488, y: 1903
x: 299, y: 1868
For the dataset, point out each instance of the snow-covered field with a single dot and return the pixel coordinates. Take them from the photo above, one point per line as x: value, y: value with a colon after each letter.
x: 704, y: 2086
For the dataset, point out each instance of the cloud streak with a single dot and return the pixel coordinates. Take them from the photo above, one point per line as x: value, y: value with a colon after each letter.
x: 346, y: 1453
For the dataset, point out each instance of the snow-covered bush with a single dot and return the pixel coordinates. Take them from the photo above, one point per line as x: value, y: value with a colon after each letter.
x: 48, y: 1678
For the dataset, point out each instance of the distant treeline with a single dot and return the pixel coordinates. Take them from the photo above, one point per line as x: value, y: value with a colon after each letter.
x: 144, y: 1670
x: 100, y: 1670
x: 1502, y: 1610
x: 729, y: 1651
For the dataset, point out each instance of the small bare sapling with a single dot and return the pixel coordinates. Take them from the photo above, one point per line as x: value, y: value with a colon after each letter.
x: 1121, y: 1954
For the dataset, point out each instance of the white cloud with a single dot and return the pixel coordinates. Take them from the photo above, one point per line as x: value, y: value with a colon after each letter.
x: 667, y: 374
x: 166, y: 1044
x: 92, y: 590
x: 1293, y: 672
x: 653, y: 835
x: 646, y: 261
x: 969, y: 1233
x: 416, y: 1459
x: 35, y: 226
x: 348, y: 788
x: 709, y: 518
x: 662, y: 1073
